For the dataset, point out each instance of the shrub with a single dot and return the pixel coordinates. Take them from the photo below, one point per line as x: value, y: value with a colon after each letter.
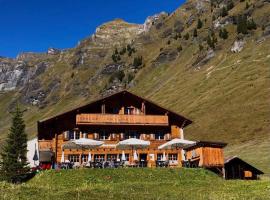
x: 223, y: 33
x: 199, y: 24
x: 224, y: 12
x: 179, y: 48
x: 195, y: 33
x: 118, y: 75
x: 242, y: 24
x: 251, y: 25
x: 186, y: 36
x: 137, y: 61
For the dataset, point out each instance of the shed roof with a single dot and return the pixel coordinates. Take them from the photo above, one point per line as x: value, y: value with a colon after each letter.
x: 206, y: 144
x: 230, y: 160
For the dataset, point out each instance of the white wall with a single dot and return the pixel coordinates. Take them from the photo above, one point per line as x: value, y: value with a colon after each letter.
x: 31, y: 151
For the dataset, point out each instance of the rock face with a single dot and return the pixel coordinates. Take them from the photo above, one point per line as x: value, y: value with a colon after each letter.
x: 16, y: 74
x: 152, y: 20
x: 116, y: 32
x: 53, y: 51
x: 238, y: 46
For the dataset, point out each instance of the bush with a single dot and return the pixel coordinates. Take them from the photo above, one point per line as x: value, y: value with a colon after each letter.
x: 212, y: 40
x: 199, y: 24
x: 186, y: 36
x: 223, y: 33
x: 130, y: 50
x: 195, y: 33
x: 224, y: 12
x: 137, y: 61
x: 118, y: 75
x: 230, y: 5
x: 251, y: 25
x: 179, y: 48
x: 242, y: 24
x: 123, y: 51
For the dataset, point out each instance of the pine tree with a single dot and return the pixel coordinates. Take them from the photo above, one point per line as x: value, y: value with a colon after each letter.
x: 199, y: 24
x: 223, y: 33
x: 14, y: 161
x: 224, y: 12
x: 195, y: 33
x: 242, y: 24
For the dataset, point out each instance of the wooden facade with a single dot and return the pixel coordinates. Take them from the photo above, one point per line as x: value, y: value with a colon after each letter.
x: 206, y: 154
x: 112, y: 119
x: 118, y: 117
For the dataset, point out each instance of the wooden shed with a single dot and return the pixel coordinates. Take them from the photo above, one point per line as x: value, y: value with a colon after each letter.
x: 205, y: 154
x: 236, y: 168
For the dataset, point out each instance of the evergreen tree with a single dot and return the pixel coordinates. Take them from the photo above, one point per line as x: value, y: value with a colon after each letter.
x: 224, y: 12
x: 223, y: 33
x: 230, y: 5
x: 199, y: 24
x: 195, y: 33
x: 251, y: 25
x: 14, y: 161
x: 186, y: 36
x: 242, y: 24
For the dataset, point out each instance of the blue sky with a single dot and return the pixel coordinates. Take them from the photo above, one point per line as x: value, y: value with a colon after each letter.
x: 36, y: 25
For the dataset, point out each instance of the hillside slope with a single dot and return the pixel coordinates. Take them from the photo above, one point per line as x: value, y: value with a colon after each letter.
x: 183, y: 61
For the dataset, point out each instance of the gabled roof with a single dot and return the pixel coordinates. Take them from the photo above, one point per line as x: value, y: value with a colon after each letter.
x: 173, y: 115
x: 229, y: 160
x: 206, y: 144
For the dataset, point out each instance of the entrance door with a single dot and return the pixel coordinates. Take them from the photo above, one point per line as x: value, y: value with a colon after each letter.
x: 143, y: 160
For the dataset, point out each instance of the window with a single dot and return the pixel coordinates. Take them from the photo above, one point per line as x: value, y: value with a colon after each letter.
x: 132, y: 134
x: 77, y: 135
x: 173, y: 156
x: 99, y: 157
x: 159, y: 135
x: 74, y: 158
x: 111, y: 157
x: 159, y: 156
x: 84, y: 158
x: 71, y: 135
x: 104, y: 135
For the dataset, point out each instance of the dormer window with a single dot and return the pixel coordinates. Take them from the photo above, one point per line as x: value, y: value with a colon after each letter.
x: 132, y: 134
x: 73, y: 135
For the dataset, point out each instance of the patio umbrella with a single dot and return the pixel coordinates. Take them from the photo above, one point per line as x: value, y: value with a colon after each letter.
x: 174, y: 143
x: 63, y: 157
x: 164, y: 157
x: 88, y: 143
x: 89, y: 157
x: 35, y: 157
x: 135, y: 156
x: 132, y: 144
x: 123, y: 158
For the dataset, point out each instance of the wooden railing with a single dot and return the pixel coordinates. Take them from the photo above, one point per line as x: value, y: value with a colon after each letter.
x: 116, y: 119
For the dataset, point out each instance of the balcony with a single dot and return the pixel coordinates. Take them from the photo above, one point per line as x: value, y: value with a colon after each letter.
x: 116, y: 119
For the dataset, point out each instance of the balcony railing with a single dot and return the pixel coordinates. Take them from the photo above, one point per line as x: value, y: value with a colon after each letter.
x: 116, y: 119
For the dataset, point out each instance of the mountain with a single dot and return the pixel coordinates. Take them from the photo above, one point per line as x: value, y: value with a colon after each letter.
x: 208, y: 60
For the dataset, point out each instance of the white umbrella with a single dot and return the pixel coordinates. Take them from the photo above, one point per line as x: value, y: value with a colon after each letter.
x: 135, y: 156
x: 89, y: 157
x: 88, y: 143
x: 63, y: 157
x: 174, y: 143
x: 164, y: 157
x: 132, y: 143
x: 123, y: 158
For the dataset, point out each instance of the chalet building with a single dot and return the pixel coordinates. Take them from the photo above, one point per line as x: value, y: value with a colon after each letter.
x: 114, y: 119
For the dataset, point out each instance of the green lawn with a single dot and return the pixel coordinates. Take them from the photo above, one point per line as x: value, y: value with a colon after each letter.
x: 134, y: 184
